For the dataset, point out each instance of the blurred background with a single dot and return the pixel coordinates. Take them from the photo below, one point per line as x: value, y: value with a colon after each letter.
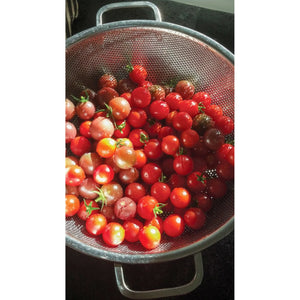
x: 91, y: 278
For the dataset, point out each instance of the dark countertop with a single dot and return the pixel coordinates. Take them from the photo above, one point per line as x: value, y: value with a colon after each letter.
x: 89, y: 278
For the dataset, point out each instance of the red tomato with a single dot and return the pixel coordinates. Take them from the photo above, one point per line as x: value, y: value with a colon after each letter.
x: 128, y: 176
x: 157, y: 92
x: 152, y: 149
x: 125, y: 85
x: 185, y: 88
x: 85, y: 110
x: 104, y: 95
x: 214, y: 111
x: 138, y: 137
x: 106, y: 147
x: 80, y: 145
x: 189, y: 106
x: 120, y: 108
x: 84, y: 129
x: 182, y: 121
x: 95, y: 224
x: 157, y: 222
x: 101, y: 127
x: 89, y: 161
x: 137, y: 117
x: 203, y: 201
x: 152, y: 128
x: 70, y: 132
x: 149, y: 237
x: 122, y: 130
x: 216, y: 188
x: 203, y: 98
x: 103, y: 174
x: 196, y: 182
x: 70, y: 110
x: 87, y: 208
x: 159, y: 109
x: 225, y: 170
x: 194, y: 218
x: 151, y: 173
x: 107, y: 80
x: 223, y: 151
x: 170, y: 144
x: 132, y: 229
x: 125, y: 208
x: 141, y: 97
x: 183, y: 165
x: 165, y: 131
x: 135, y: 191
x: 173, y: 99
x: 160, y: 191
x: 230, y: 156
x: 177, y: 180
x: 173, y: 225
x: 146, y: 207
x: 74, y: 175
x: 189, y: 138
x: 224, y: 124
x: 141, y: 158
x: 113, y: 234
x: 137, y: 73
x: 127, y: 96
x: 213, y: 139
x: 180, y: 197
x: 72, y: 205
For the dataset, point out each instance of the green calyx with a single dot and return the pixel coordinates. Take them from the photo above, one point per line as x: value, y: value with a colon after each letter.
x: 201, y: 107
x: 101, y: 198
x: 82, y: 99
x: 201, y: 178
x: 129, y: 68
x: 89, y: 208
x: 162, y: 178
x: 157, y: 210
x: 143, y: 138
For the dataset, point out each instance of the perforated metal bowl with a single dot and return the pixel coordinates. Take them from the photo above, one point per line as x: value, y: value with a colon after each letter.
x: 167, y: 51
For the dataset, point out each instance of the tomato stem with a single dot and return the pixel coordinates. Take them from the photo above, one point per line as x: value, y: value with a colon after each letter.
x: 89, y: 207
x: 143, y: 138
x: 129, y: 68
x: 201, y: 178
x: 157, y: 210
x: 162, y: 178
x: 82, y: 99
x: 101, y: 198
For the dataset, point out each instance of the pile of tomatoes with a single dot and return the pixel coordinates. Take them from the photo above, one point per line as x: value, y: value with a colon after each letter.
x: 144, y: 160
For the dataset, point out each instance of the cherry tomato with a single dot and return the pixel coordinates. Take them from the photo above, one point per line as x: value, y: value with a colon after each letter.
x: 180, y: 197
x: 159, y: 109
x: 89, y: 161
x: 157, y: 222
x: 120, y: 108
x: 125, y: 208
x: 157, y: 92
x: 141, y: 158
x: 137, y: 73
x: 127, y: 96
x: 84, y: 129
x: 95, y: 224
x: 120, y: 142
x: 71, y: 190
x: 122, y: 130
x: 72, y: 205
x: 113, y: 234
x: 107, y: 80
x: 87, y: 188
x: 138, y: 137
x: 80, y: 145
x: 70, y: 132
x: 213, y: 139
x: 152, y: 149
x: 177, y: 180
x: 108, y: 213
x: 85, y: 109
x: 125, y: 85
x: 165, y: 131
x: 189, y: 138
x: 203, y: 201
x: 183, y: 165
x: 194, y: 218
x: 128, y: 176
x: 151, y: 173
x: 230, y: 156
x: 215, y: 111
x: 189, y: 106
x: 223, y: 151
x: 225, y: 124
x: 225, y: 170
x: 87, y: 208
x: 110, y: 193
x: 101, y: 127
x: 124, y: 157
x: 150, y: 237
x: 170, y: 144
x: 160, y: 191
x: 170, y: 117
x: 173, y: 225
x: 202, y: 122
x: 182, y: 121
x: 146, y: 84
x: 147, y: 207
x: 196, y: 182
x: 173, y: 99
x: 141, y: 97
x: 70, y: 110
x: 185, y: 88
x: 103, y: 174
x: 132, y: 229
x: 137, y: 117
x: 74, y: 175
x: 135, y: 191
x: 106, y: 147
x: 203, y: 98
x: 152, y: 128
x: 104, y: 95
x: 216, y: 188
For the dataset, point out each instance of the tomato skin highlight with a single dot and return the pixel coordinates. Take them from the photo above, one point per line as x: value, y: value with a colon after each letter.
x: 140, y: 97
x: 113, y: 234
x: 183, y: 165
x: 132, y: 229
x: 74, y: 175
x: 80, y: 145
x: 103, y: 174
x: 145, y: 207
x: 194, y: 218
x: 180, y: 197
x: 173, y: 225
x: 95, y: 224
x: 151, y: 172
x: 72, y: 204
x: 150, y: 237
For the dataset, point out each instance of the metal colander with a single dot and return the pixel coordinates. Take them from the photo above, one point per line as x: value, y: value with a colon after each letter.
x: 167, y: 51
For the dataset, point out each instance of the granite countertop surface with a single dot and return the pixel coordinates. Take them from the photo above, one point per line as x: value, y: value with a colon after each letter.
x: 89, y: 278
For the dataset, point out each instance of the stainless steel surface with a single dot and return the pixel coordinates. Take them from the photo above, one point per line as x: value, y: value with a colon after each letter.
x: 168, y: 52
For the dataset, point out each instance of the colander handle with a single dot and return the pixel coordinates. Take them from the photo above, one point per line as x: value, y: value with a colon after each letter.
x: 159, y: 293
x: 133, y: 4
